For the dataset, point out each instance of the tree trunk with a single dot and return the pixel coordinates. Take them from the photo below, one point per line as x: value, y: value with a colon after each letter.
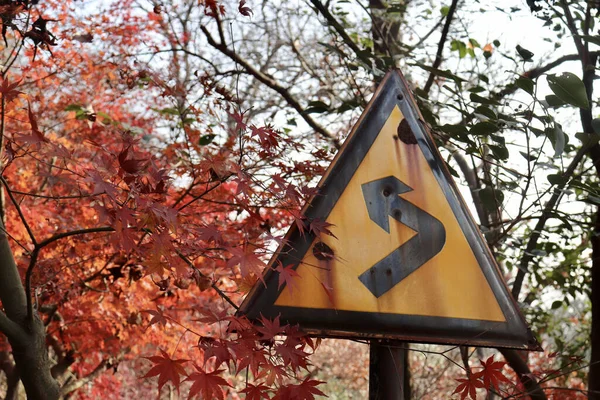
x: 33, y: 364
x: 25, y: 331
x: 594, y: 372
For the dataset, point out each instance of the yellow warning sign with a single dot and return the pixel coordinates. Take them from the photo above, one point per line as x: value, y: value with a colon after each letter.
x: 450, y: 284
x: 406, y: 261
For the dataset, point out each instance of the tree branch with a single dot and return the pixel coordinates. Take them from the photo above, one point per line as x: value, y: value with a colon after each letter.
x: 333, y: 22
x: 269, y: 82
x: 11, y: 329
x: 441, y: 44
x: 19, y: 211
x: 212, y: 284
x: 36, y: 251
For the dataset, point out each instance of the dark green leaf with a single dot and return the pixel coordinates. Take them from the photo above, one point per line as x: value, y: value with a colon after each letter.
x: 483, y: 128
x: 492, y: 199
x: 316, y: 107
x: 478, y: 99
x: 525, y: 54
x: 556, y: 304
x: 486, y: 111
x: 569, y: 88
x: 499, y: 152
x: 439, y: 72
x: 477, y: 89
x: 596, y: 125
x: 206, y: 139
x: 554, y: 101
x: 591, y: 39
x: 528, y: 157
x: 588, y: 139
x: 557, y: 179
x: 526, y: 84
x: 453, y: 128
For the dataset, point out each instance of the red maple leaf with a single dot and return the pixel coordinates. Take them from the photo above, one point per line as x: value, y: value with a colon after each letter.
x: 270, y: 329
x: 287, y: 275
x: 36, y: 135
x: 167, y: 369
x: 157, y: 317
x: 9, y: 91
x: 215, y: 348
x: 249, y: 356
x: 131, y: 166
x: 304, y: 391
x: 207, y: 385
x: 248, y: 261
x: 292, y: 356
x: 492, y: 373
x: 468, y: 387
x: 319, y: 226
x: 257, y: 392
x: 274, y: 373
x: 245, y: 11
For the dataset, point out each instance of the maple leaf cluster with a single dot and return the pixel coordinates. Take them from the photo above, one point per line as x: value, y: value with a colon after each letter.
x: 489, y: 378
x: 142, y: 214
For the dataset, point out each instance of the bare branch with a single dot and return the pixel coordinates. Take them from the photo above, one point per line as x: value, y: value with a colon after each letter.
x: 271, y: 83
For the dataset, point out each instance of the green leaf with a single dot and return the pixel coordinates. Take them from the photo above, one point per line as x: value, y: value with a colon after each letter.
x: 478, y: 99
x: 483, y: 128
x: 73, y: 107
x: 528, y: 157
x: 492, y: 199
x: 554, y: 101
x: 557, y: 138
x: 556, y: 304
x: 596, y: 125
x: 588, y: 139
x: 525, y: 54
x: 459, y: 129
x: 316, y: 107
x: 591, y: 39
x: 569, y: 88
x: 526, y: 84
x: 460, y: 46
x: 169, y: 111
x: 444, y: 11
x: 474, y: 43
x: 439, y: 72
x: 557, y: 179
x: 486, y: 111
x: 500, y: 152
x: 206, y: 139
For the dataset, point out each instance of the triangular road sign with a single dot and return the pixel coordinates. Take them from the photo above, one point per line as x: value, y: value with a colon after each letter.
x: 408, y: 261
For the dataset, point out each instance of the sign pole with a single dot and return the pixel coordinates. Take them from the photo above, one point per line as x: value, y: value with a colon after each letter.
x: 388, y: 375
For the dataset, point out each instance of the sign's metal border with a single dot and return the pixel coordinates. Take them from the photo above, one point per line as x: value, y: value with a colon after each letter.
x: 514, y: 333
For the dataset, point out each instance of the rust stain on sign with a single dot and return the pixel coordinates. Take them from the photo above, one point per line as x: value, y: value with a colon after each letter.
x: 449, y: 285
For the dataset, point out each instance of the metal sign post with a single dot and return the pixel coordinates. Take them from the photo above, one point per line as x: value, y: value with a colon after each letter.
x: 388, y: 373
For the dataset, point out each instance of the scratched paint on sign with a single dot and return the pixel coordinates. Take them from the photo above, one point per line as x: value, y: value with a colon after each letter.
x: 450, y: 284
